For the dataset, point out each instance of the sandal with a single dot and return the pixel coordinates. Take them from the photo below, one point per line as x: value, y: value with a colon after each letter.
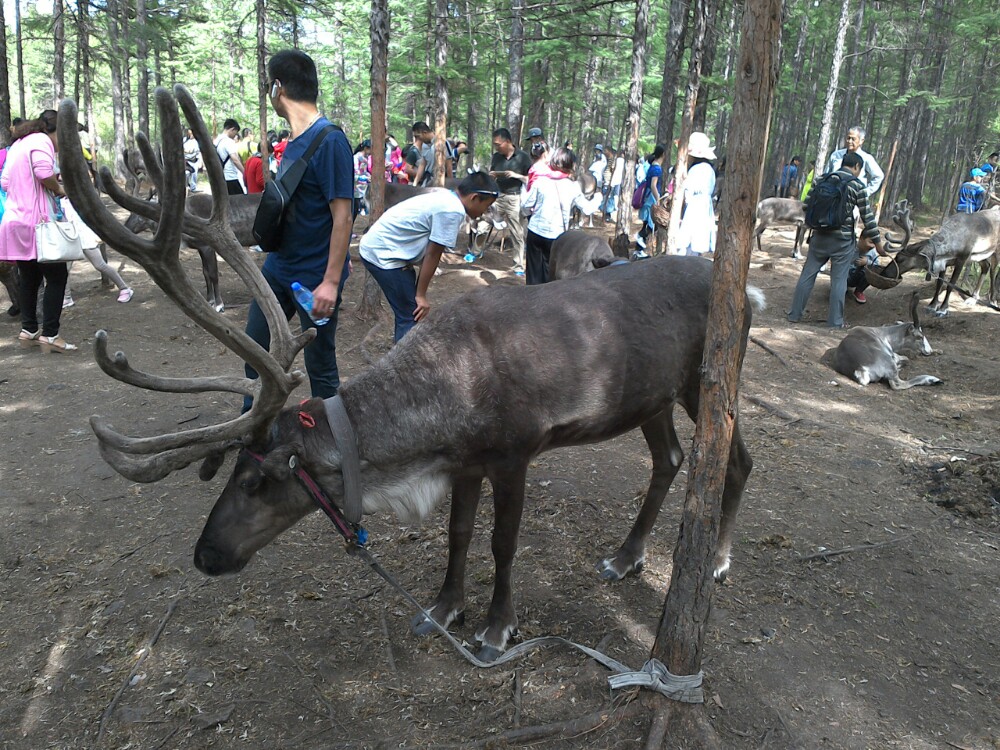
x: 27, y: 339
x: 55, y: 344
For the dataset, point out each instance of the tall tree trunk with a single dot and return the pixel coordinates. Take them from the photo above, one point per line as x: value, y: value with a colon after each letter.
x: 676, y: 28
x: 722, y: 122
x: 379, y: 25
x: 680, y: 638
x: 831, y: 92
x: 623, y: 225
x: 707, y: 65
x: 515, y: 96
x: 687, y: 118
x: 118, y: 61
x: 19, y: 42
x: 4, y: 83
x: 126, y: 63
x: 472, y: 112
x: 58, y: 52
x: 852, y: 99
x: 142, y: 65
x: 587, y: 116
x: 440, y: 90
x: 260, y: 11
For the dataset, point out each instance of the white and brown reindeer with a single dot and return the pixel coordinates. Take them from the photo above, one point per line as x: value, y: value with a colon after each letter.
x: 869, y: 354
x: 961, y: 239
x: 486, y: 383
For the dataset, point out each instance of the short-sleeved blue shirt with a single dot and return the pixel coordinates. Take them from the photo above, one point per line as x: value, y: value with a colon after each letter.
x: 971, y: 197
x: 305, y: 242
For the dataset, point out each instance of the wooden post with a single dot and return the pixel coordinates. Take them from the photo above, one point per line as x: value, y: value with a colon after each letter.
x: 885, y: 181
x: 680, y: 638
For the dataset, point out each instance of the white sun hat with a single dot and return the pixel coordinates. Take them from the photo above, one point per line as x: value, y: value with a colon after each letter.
x: 700, y: 147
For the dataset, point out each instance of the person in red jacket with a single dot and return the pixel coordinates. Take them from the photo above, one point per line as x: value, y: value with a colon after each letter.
x: 255, y: 168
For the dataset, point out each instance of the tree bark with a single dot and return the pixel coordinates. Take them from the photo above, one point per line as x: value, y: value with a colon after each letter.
x: 707, y: 65
x: 700, y: 10
x: 117, y: 61
x: 58, y: 52
x: 440, y: 90
x: 142, y: 65
x: 587, y: 118
x: 676, y: 28
x: 633, y: 121
x: 4, y: 83
x: 515, y: 96
x: 260, y: 12
x: 19, y: 43
x: 379, y: 25
x: 680, y: 639
x: 831, y: 92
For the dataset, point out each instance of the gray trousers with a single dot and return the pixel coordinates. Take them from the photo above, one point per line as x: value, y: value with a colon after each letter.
x: 841, y: 253
x: 509, y: 208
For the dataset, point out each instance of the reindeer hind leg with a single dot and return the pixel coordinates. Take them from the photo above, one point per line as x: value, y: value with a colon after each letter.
x: 210, y: 269
x: 737, y: 471
x: 667, y: 455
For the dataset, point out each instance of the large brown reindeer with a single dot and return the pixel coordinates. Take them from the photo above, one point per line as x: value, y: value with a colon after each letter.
x: 486, y: 383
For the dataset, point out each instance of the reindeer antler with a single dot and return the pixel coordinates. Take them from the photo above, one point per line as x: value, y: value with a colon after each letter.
x: 152, y: 458
x: 901, y: 218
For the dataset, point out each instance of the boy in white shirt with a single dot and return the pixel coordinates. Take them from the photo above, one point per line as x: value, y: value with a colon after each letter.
x: 416, y: 232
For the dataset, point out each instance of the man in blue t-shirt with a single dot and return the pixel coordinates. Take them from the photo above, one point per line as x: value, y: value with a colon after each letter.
x: 317, y: 226
x: 972, y: 194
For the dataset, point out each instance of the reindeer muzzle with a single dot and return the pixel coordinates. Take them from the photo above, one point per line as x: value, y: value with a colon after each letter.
x: 887, y: 279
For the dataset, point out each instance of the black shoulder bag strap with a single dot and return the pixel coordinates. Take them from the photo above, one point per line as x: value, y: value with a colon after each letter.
x: 293, y: 175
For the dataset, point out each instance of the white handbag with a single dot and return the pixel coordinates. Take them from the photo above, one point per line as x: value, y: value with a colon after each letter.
x: 58, y: 239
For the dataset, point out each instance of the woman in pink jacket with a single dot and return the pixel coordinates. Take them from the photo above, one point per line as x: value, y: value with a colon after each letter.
x: 29, y: 172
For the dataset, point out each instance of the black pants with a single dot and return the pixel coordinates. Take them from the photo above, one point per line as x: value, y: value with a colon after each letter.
x: 55, y: 275
x: 856, y: 278
x: 234, y: 187
x: 536, y: 258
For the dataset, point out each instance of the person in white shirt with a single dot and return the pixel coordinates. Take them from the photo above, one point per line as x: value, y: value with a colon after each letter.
x: 549, y: 203
x: 599, y: 165
x: 416, y: 232
x: 872, y: 175
x: 228, y: 151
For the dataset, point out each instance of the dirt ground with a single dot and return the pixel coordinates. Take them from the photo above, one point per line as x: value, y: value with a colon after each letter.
x: 110, y: 638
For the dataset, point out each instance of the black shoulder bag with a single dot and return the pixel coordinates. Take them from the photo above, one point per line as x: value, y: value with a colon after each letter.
x: 268, y: 225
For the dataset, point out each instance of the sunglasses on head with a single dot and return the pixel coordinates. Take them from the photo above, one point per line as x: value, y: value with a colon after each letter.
x: 491, y: 193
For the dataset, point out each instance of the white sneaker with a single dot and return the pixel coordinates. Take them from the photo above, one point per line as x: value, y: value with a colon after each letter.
x: 68, y: 302
x: 125, y: 295
x: 640, y: 255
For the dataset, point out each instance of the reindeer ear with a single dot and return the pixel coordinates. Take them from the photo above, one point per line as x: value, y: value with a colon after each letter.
x: 211, y: 465
x: 280, y: 463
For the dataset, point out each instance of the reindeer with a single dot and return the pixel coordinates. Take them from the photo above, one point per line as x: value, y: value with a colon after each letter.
x: 242, y: 212
x: 960, y: 239
x: 577, y: 251
x: 867, y: 354
x: 782, y: 211
x: 486, y: 383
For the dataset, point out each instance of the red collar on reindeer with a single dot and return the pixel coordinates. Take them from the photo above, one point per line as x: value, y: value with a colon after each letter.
x: 348, y: 520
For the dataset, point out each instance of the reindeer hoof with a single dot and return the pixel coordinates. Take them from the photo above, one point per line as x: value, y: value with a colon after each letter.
x: 937, y: 313
x: 488, y: 654
x: 423, y: 625
x: 219, y: 307
x: 611, y: 571
x: 721, y: 571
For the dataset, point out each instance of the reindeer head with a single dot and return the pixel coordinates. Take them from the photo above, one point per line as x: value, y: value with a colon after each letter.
x: 148, y: 459
x: 908, y: 257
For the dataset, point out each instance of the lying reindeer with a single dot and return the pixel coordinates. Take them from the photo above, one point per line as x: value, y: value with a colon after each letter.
x: 242, y: 211
x: 577, y: 252
x: 486, y: 383
x: 962, y: 238
x: 867, y: 355
x: 782, y: 211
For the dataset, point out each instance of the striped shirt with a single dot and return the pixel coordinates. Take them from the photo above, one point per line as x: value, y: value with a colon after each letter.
x: 856, y: 196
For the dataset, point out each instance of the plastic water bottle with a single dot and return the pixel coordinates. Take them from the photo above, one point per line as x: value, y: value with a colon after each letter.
x: 305, y: 298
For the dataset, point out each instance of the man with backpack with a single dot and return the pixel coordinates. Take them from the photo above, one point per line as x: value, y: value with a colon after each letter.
x: 316, y: 228
x: 830, y: 214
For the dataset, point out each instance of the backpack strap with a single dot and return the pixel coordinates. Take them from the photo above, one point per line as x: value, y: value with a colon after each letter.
x: 295, y: 171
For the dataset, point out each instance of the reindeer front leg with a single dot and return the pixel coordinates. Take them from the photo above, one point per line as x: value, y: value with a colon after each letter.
x: 508, y: 502
x: 449, y: 606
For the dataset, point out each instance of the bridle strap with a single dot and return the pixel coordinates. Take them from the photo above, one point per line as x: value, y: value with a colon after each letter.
x: 350, y: 461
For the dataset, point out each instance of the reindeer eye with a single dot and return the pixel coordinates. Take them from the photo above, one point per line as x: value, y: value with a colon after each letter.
x: 252, y: 482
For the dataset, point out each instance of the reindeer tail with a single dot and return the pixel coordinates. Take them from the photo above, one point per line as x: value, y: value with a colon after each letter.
x: 757, y: 298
